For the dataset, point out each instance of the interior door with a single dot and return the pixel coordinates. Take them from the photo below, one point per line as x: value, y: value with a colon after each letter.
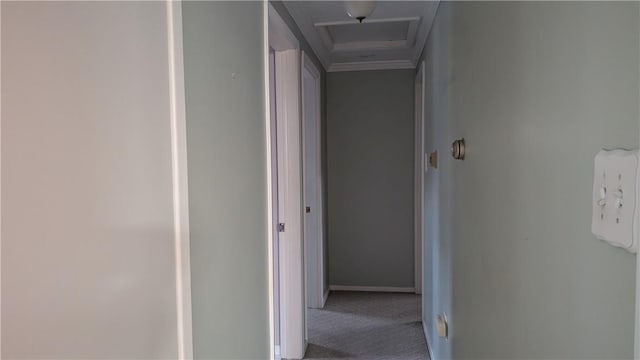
x: 311, y: 183
x: 274, y: 195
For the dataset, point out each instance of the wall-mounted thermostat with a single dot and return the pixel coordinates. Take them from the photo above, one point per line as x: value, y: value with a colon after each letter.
x: 615, y: 188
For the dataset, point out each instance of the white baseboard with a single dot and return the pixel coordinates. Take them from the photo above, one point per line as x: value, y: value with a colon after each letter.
x: 426, y: 337
x: 372, y: 288
x: 326, y: 295
x: 277, y: 352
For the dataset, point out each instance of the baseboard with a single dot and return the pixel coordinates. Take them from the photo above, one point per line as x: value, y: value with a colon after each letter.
x: 372, y: 288
x: 324, y: 298
x: 277, y: 352
x: 426, y: 337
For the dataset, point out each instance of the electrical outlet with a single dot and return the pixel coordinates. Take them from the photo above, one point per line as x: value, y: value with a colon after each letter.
x: 615, y: 182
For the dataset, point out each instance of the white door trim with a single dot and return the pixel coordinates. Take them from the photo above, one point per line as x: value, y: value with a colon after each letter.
x: 290, y: 207
x: 636, y: 336
x: 274, y: 350
x: 419, y: 170
x: 315, y: 286
x: 179, y: 179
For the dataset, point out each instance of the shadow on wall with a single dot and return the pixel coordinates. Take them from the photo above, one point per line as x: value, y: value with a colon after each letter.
x: 438, y: 112
x: 521, y: 81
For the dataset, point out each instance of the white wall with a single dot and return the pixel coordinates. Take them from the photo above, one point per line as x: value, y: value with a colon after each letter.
x: 87, y: 221
x: 536, y: 88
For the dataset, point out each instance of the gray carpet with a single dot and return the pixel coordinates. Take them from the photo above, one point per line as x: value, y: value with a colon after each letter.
x: 364, y: 325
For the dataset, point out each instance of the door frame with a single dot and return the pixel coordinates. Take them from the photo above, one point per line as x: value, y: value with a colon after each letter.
x: 419, y: 177
x: 178, y: 123
x: 289, y: 167
x: 314, y: 252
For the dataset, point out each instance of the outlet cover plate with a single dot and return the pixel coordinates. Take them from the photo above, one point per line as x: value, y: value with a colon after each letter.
x: 614, y: 199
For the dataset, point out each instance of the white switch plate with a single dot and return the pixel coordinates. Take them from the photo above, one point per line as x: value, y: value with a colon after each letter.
x: 442, y: 326
x: 614, y: 200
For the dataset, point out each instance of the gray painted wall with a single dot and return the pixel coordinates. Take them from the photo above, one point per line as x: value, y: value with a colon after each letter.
x: 227, y: 177
x: 304, y: 46
x: 370, y: 177
x: 536, y: 89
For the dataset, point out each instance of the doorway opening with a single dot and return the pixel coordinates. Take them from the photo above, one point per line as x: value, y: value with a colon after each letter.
x: 299, y: 284
x: 288, y: 308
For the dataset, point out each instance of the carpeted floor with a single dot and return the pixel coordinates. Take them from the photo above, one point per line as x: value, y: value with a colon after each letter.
x: 365, y: 325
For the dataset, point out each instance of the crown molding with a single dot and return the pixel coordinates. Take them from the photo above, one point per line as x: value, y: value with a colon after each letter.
x: 430, y: 8
x: 305, y: 24
x: 372, y: 65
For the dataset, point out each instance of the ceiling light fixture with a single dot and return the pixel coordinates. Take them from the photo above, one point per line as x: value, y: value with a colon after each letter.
x: 359, y: 9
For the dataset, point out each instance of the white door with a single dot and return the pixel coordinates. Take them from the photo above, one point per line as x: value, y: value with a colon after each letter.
x: 420, y: 158
x: 312, y: 185
x: 287, y: 156
x: 274, y: 195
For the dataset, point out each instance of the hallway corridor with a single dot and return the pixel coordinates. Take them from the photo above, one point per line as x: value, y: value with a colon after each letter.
x: 362, y: 325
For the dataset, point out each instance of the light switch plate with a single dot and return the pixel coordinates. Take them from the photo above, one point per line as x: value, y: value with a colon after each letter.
x: 614, y: 200
x: 442, y: 326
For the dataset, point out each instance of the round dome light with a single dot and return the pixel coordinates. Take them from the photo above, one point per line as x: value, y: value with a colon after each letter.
x: 359, y: 9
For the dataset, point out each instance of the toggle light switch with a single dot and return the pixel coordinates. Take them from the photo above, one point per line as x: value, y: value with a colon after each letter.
x: 602, y: 201
x: 442, y: 326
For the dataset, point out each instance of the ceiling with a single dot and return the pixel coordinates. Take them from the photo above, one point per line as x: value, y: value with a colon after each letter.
x: 391, y: 38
